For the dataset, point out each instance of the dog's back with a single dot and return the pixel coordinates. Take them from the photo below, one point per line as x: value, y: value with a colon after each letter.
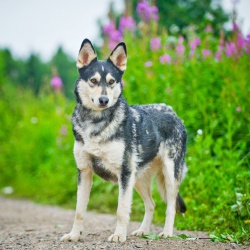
x: 158, y: 124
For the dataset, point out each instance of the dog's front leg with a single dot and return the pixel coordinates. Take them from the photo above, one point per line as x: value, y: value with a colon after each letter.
x: 83, y: 191
x: 126, y: 184
x: 85, y: 177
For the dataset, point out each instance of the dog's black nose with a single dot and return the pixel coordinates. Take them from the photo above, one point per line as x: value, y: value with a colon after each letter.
x: 103, y: 101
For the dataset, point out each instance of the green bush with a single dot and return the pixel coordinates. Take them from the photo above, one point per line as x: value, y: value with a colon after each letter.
x: 36, y: 145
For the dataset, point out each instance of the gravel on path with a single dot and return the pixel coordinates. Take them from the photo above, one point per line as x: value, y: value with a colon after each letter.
x: 26, y: 225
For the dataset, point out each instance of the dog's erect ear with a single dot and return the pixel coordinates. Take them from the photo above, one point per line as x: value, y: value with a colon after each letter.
x: 86, y: 54
x: 119, y: 56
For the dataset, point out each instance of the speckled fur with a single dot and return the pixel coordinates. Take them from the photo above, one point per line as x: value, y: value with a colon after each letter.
x: 124, y: 144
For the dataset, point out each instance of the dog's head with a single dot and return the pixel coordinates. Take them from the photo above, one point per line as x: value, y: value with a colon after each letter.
x: 99, y: 86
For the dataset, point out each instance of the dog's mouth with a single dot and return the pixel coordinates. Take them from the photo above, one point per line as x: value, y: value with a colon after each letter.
x: 102, y: 104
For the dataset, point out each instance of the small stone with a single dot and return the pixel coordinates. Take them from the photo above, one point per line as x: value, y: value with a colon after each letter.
x: 233, y: 245
x: 139, y: 245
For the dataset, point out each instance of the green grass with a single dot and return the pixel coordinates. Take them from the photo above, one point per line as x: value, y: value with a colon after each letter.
x: 212, y: 98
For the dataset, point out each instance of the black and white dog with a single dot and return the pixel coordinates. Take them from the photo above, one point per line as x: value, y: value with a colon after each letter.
x: 124, y: 144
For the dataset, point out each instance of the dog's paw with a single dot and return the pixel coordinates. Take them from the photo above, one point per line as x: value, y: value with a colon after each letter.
x: 70, y: 237
x: 165, y: 235
x: 117, y: 238
x: 140, y: 232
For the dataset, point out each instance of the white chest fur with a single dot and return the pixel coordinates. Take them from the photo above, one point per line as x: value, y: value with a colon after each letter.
x: 97, y: 142
x: 110, y: 153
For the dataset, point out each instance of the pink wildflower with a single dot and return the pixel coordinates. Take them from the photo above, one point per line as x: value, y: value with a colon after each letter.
x: 165, y: 59
x: 235, y: 27
x: 220, y: 47
x: 248, y: 40
x: 209, y: 29
x: 114, y: 39
x: 143, y: 9
x: 221, y: 44
x: 218, y: 55
x: 154, y: 13
x: 241, y: 43
x: 112, y: 45
x: 180, y: 39
x: 206, y: 53
x: 196, y: 42
x: 148, y: 64
x: 191, y: 54
x: 180, y: 49
x: 114, y: 36
x: 247, y: 43
x: 147, y: 12
x: 108, y: 28
x: 127, y: 23
x: 56, y: 82
x: 155, y: 43
x: 193, y: 45
x: 230, y: 49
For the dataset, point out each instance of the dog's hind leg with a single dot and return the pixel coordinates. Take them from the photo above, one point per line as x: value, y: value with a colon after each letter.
x: 143, y: 187
x: 171, y: 187
x: 85, y: 177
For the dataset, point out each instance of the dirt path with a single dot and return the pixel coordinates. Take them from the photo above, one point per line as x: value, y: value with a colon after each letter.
x: 25, y: 225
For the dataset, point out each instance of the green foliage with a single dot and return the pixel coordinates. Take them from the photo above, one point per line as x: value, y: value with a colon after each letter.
x: 180, y: 14
x: 225, y: 238
x: 183, y: 13
x: 36, y: 145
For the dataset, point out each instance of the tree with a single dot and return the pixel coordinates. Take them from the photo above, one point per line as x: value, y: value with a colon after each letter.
x: 7, y: 64
x: 186, y: 12
x: 36, y: 71
x: 66, y: 69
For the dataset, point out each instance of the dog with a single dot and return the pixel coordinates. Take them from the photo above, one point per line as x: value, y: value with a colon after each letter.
x: 124, y: 144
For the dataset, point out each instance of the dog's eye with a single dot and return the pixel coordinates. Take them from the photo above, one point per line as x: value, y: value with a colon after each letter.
x: 93, y: 80
x: 111, y: 81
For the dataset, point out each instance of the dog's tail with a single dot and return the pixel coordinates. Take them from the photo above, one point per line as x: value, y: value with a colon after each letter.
x: 180, y: 204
